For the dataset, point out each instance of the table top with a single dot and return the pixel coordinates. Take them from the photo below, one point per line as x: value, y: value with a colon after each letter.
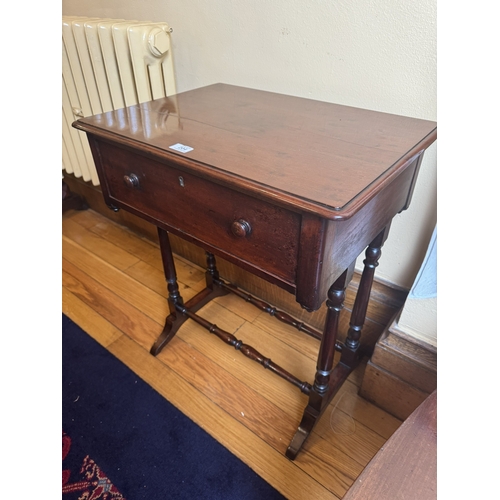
x: 322, y: 157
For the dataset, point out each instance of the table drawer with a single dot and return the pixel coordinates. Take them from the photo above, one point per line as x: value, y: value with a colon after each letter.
x: 259, y: 233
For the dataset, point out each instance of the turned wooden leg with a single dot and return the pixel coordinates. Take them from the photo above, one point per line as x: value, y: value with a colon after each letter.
x: 350, y: 353
x: 212, y: 278
x: 180, y: 312
x: 175, y: 301
x: 327, y: 381
x: 212, y: 273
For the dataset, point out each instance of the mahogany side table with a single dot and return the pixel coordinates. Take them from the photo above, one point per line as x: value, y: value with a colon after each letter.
x: 290, y: 189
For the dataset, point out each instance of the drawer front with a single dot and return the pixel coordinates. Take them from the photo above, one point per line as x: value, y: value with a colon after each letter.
x: 259, y: 233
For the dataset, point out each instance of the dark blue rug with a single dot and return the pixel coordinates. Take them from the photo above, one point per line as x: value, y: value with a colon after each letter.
x: 123, y: 440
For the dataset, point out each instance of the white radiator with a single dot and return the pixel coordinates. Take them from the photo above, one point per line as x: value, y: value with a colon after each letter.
x: 108, y: 64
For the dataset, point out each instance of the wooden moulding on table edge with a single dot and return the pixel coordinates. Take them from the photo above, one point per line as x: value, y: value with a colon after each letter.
x: 386, y: 300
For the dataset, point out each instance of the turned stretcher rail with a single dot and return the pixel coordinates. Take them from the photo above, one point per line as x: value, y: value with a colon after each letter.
x: 272, y: 311
x: 246, y: 349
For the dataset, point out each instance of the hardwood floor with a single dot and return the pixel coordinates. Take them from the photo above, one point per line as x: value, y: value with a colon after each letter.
x: 114, y: 288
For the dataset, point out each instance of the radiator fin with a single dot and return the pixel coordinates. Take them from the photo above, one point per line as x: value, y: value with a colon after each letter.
x: 108, y: 64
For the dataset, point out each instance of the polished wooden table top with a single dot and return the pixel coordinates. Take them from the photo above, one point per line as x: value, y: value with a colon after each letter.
x: 315, y: 156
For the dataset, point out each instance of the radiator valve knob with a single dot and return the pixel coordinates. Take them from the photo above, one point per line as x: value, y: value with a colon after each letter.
x: 159, y: 42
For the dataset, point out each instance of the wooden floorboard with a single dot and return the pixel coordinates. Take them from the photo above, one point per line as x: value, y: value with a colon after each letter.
x: 114, y: 288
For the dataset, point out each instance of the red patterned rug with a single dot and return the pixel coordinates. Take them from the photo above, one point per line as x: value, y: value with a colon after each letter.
x: 87, y: 482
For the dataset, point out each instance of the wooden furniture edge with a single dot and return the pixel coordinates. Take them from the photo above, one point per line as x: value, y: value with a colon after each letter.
x: 406, y: 467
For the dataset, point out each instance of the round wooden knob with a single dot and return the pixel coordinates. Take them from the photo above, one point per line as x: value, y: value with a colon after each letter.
x: 241, y: 228
x: 131, y: 180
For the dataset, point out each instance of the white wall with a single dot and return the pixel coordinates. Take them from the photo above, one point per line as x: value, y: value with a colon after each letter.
x: 419, y: 316
x: 376, y: 54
